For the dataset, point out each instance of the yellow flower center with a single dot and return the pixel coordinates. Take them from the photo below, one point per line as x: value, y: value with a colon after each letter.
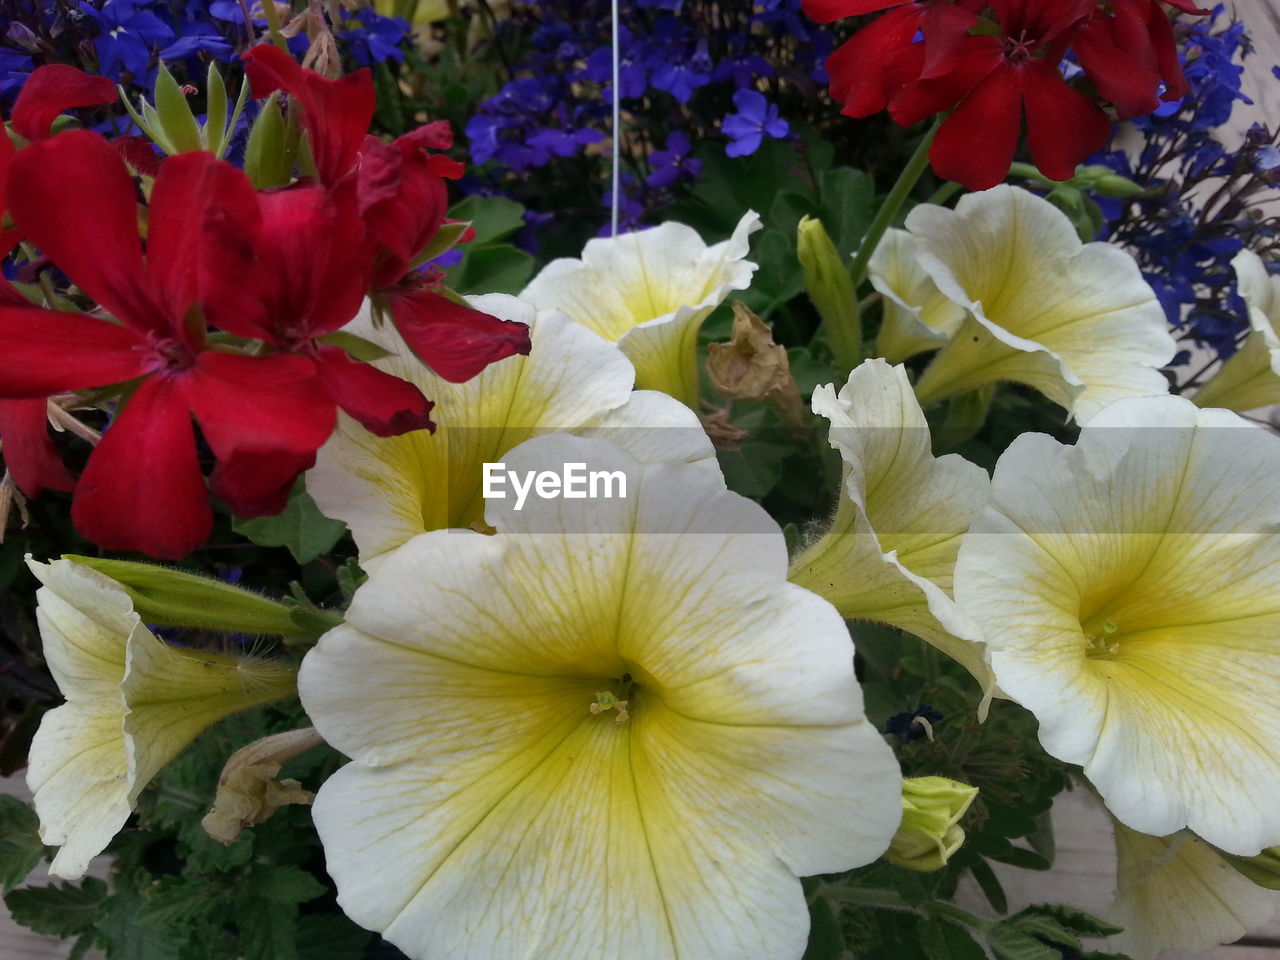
x: 607, y: 701
x: 1102, y: 640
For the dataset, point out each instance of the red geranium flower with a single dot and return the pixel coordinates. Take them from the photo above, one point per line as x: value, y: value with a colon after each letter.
x: 402, y: 199
x: 142, y: 488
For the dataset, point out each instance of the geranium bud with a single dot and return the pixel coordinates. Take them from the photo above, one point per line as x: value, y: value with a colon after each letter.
x: 930, y: 832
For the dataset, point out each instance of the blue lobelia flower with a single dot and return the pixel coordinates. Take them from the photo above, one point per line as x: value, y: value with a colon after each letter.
x: 756, y: 119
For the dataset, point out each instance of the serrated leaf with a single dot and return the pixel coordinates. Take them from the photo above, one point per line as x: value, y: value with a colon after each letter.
x: 60, y: 909
x: 268, y: 929
x: 1010, y: 943
x: 826, y: 941
x: 125, y: 938
x: 946, y: 941
x: 20, y: 846
x: 284, y: 884
x: 848, y: 205
x: 176, y: 900
x: 1075, y: 920
x: 492, y: 218
x: 301, y: 527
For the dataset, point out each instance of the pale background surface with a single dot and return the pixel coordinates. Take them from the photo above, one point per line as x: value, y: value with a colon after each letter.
x: 1084, y: 872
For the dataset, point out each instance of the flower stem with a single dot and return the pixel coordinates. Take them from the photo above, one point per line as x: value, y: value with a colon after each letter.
x: 889, y: 210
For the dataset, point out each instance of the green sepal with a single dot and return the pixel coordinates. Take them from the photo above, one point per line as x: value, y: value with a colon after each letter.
x: 174, y: 116
x: 174, y: 598
x: 358, y: 347
x: 215, y: 133
x: 265, y: 158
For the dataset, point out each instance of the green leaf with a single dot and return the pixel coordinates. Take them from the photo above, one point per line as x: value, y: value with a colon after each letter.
x: 126, y: 938
x: 283, y: 884
x: 492, y: 218
x: 60, y: 909
x: 847, y: 207
x: 20, y: 846
x: 301, y: 527
x: 826, y: 940
x: 946, y: 941
x: 755, y: 469
x: 1010, y: 943
x: 268, y: 930
x: 990, y: 886
x: 1077, y: 921
x: 331, y: 936
x: 177, y: 900
x: 499, y: 268
x: 780, y: 276
x: 1024, y: 859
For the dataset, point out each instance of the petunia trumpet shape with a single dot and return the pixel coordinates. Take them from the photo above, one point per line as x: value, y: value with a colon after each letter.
x: 649, y: 292
x: 890, y: 552
x: 611, y: 729
x: 389, y: 490
x: 1250, y: 378
x: 1074, y: 320
x: 1178, y: 893
x: 917, y: 316
x: 1129, y: 591
x: 133, y: 703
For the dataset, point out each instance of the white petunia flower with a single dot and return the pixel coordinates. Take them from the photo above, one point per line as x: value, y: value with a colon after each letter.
x: 917, y: 316
x: 890, y: 553
x: 1250, y: 378
x: 612, y: 729
x: 133, y: 703
x: 649, y: 292
x: 1177, y: 893
x: 389, y: 490
x: 1129, y: 591
x: 1074, y: 320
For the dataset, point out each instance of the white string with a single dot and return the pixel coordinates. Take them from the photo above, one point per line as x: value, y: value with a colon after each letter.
x: 617, y: 125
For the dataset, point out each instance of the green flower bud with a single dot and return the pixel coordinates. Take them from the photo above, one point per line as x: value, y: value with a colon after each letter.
x: 174, y: 598
x: 930, y: 831
x: 830, y: 287
x: 1105, y: 181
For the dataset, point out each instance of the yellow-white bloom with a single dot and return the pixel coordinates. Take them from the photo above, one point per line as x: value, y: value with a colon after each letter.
x: 1177, y: 893
x: 389, y: 490
x: 1074, y: 320
x: 890, y: 553
x: 1250, y: 378
x: 917, y: 316
x: 1129, y: 591
x: 133, y: 703
x: 613, y: 729
x: 649, y: 292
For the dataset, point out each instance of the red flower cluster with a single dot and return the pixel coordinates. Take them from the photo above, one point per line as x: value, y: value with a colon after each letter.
x: 220, y: 316
x: 927, y: 56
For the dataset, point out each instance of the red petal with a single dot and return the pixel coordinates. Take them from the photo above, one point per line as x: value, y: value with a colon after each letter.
x: 824, y: 11
x: 945, y: 25
x: 202, y: 220
x: 1120, y: 76
x: 437, y: 135
x: 274, y: 404
x: 1186, y: 6
x: 385, y: 405
x: 975, y: 146
x: 338, y: 112
x: 47, y: 352
x: 1063, y: 125
x: 258, y: 484
x: 140, y: 154
x: 29, y: 454
x: 455, y: 341
x: 858, y: 66
x: 7, y: 152
x: 403, y: 203
x: 53, y: 89
x: 73, y: 197
x: 1166, y: 49
x: 974, y: 59
x: 142, y: 489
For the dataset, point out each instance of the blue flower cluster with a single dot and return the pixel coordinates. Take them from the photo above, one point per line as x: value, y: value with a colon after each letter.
x: 699, y: 65
x: 1197, y: 212
x: 126, y: 40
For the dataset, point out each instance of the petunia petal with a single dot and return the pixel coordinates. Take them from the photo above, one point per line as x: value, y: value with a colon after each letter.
x: 917, y: 315
x: 1250, y: 377
x: 1127, y: 590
